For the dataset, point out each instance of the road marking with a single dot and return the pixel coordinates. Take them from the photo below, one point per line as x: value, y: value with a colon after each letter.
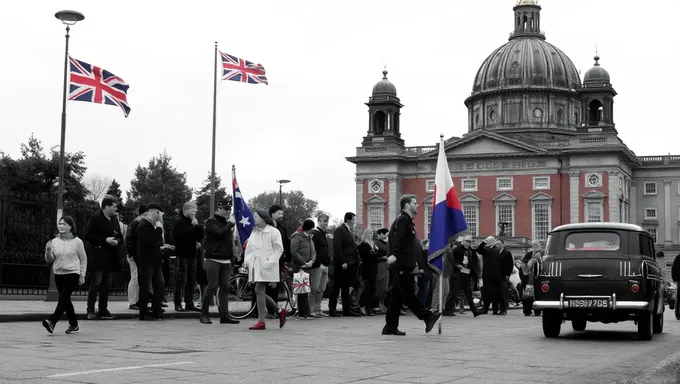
x: 359, y: 344
x: 118, y: 369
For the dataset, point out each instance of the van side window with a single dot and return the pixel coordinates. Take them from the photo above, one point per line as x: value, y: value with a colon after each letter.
x: 645, y: 245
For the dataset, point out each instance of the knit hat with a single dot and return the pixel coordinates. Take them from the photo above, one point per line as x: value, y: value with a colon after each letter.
x: 308, y: 225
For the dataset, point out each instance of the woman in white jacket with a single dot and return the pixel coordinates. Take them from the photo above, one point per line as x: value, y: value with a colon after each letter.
x: 262, y: 254
x: 67, y: 253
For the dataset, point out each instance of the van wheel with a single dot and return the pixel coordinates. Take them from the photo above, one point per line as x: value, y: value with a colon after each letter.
x: 579, y: 325
x: 658, y: 323
x: 552, y: 323
x: 645, y: 323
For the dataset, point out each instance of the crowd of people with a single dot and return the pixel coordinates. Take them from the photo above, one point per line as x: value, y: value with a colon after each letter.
x: 383, y: 271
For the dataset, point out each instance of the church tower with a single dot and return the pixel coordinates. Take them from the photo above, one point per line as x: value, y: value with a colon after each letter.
x: 597, y: 100
x: 384, y: 109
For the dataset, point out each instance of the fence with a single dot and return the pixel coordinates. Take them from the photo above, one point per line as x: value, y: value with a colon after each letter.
x: 26, y: 224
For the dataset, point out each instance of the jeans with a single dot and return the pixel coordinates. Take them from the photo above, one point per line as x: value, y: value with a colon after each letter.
x: 402, y: 292
x: 318, y: 279
x: 66, y: 284
x: 155, y: 277
x: 101, y: 280
x: 185, y: 279
x: 218, y: 276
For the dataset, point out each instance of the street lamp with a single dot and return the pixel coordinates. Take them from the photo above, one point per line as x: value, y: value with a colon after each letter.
x: 67, y: 18
x: 281, y: 183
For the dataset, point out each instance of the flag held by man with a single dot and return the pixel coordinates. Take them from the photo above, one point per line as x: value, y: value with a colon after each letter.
x: 243, y: 215
x: 447, y: 214
x: 96, y: 85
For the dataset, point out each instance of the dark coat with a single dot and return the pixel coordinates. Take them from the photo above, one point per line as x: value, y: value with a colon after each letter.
x: 675, y: 269
x: 219, y: 239
x: 285, y: 237
x: 131, y: 238
x: 507, y: 262
x: 404, y: 243
x: 149, y: 243
x: 101, y: 255
x: 321, y: 246
x: 491, y: 257
x: 473, y: 261
x: 344, y: 247
x: 302, y: 250
x: 184, y: 237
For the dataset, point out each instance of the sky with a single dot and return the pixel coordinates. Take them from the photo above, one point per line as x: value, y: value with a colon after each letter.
x: 322, y: 60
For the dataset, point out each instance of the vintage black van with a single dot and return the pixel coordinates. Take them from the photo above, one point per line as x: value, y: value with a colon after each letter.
x: 600, y: 272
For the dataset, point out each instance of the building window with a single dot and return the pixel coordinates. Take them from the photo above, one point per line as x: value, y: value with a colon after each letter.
x: 504, y: 183
x: 653, y: 233
x: 650, y: 188
x: 428, y: 219
x: 650, y: 213
x: 541, y: 182
x: 505, y: 216
x: 429, y: 186
x: 376, y: 216
x: 469, y: 185
x: 540, y: 217
x: 594, y: 212
x: 471, y: 212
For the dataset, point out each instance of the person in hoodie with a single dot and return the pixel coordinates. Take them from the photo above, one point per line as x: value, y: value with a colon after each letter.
x: 303, y: 256
x: 67, y: 253
x: 150, y: 261
x: 318, y: 276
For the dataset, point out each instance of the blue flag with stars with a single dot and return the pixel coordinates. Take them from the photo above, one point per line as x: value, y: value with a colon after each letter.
x: 244, y: 217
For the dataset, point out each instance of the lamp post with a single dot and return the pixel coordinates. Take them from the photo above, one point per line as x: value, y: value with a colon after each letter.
x: 281, y: 183
x: 67, y: 18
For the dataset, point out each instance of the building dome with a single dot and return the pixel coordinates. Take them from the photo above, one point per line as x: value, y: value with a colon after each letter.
x: 528, y: 61
x: 596, y: 75
x: 384, y: 88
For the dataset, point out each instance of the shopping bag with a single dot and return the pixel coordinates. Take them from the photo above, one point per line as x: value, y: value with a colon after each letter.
x: 301, y: 283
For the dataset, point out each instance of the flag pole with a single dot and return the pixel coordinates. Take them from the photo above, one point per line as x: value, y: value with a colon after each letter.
x: 233, y: 176
x: 441, y: 298
x: 214, y: 134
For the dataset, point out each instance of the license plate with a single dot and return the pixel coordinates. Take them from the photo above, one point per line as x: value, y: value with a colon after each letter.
x: 589, y: 303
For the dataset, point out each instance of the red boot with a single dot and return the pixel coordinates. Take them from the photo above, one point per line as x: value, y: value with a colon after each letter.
x: 282, y: 317
x: 258, y: 326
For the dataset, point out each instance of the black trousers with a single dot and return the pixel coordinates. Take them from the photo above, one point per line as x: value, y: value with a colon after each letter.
x: 402, y: 291
x: 66, y: 284
x: 466, y: 287
x: 101, y: 280
x: 342, y: 280
x: 492, y: 294
x: 155, y: 276
x: 185, y: 279
x: 218, y: 277
x: 369, y: 275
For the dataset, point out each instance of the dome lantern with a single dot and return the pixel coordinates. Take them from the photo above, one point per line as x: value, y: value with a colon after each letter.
x: 527, y: 19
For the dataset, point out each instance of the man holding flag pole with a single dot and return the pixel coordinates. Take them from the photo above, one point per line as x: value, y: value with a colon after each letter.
x: 447, y: 217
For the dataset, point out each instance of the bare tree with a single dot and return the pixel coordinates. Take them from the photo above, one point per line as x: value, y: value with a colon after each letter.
x: 96, y: 186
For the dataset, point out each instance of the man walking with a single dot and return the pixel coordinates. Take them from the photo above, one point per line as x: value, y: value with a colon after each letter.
x: 186, y: 235
x: 103, y: 236
x: 405, y: 249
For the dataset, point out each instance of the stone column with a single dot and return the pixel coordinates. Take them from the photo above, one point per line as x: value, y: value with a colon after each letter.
x: 614, y: 215
x: 574, y: 198
x: 667, y: 212
x: 393, y: 203
x: 632, y: 216
x: 360, y: 201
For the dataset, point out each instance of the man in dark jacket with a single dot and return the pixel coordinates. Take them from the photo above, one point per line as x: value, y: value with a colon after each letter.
x: 492, y: 276
x: 318, y: 277
x: 466, y: 271
x: 131, y: 245
x: 345, y: 267
x: 405, y: 250
x: 186, y: 235
x: 507, y: 266
x: 150, y: 261
x: 219, y: 256
x: 103, y: 236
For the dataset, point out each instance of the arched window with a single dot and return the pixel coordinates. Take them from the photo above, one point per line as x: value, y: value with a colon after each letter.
x: 595, y: 112
x: 379, y: 121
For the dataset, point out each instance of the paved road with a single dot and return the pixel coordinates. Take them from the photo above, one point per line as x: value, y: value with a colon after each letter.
x: 489, y: 349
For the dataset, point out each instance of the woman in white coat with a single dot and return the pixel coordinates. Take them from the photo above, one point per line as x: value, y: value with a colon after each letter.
x: 262, y: 254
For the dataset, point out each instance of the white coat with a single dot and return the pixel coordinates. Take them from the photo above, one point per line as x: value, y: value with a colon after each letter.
x: 263, y: 251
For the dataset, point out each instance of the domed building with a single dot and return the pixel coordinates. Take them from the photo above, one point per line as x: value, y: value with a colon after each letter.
x: 541, y: 150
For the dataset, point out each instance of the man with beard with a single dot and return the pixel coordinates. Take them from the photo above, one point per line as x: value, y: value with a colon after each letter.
x: 405, y: 249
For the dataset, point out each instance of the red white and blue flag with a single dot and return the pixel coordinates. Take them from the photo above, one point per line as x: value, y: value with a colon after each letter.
x: 447, y: 214
x: 245, y: 220
x: 244, y: 71
x: 96, y: 85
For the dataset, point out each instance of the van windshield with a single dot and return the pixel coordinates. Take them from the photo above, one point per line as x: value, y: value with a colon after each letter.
x: 592, y: 241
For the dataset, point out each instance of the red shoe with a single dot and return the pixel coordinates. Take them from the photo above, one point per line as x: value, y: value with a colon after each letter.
x: 282, y: 317
x: 258, y: 326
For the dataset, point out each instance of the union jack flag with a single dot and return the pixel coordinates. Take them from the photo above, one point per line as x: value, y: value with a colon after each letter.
x: 236, y: 69
x: 96, y: 85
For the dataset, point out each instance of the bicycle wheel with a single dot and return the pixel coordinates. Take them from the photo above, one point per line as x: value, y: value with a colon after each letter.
x: 286, y: 299
x: 241, y: 303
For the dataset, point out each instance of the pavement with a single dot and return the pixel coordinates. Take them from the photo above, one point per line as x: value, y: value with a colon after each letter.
x: 487, y: 349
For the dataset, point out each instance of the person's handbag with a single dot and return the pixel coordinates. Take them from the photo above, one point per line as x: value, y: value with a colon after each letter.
x: 528, y: 292
x: 301, y: 283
